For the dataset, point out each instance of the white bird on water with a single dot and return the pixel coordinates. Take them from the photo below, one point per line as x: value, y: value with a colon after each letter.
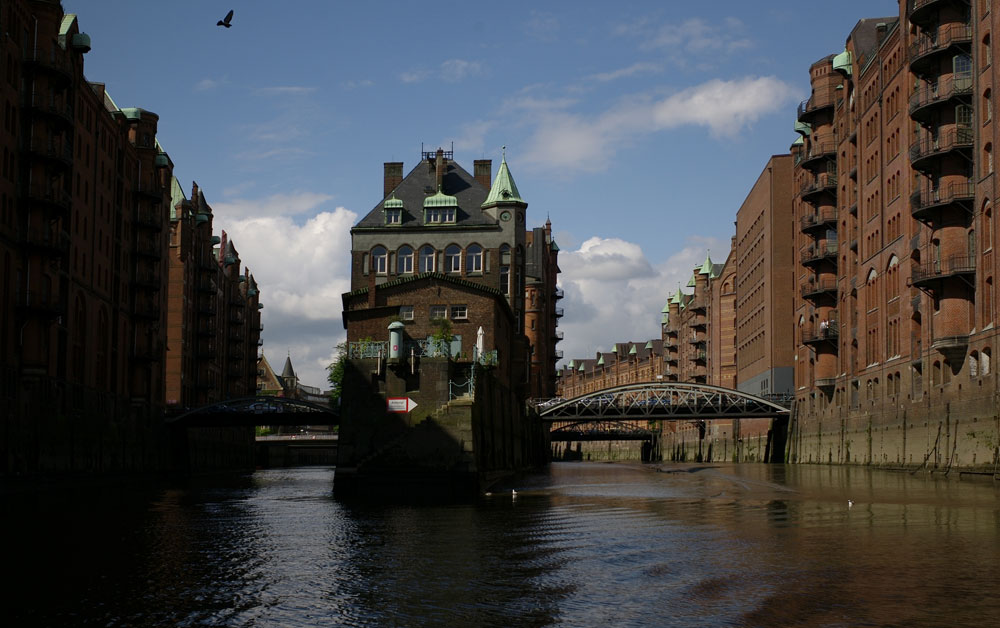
x: 850, y: 503
x: 513, y: 494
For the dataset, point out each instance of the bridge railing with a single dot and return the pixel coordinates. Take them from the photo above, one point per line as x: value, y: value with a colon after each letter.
x: 368, y: 349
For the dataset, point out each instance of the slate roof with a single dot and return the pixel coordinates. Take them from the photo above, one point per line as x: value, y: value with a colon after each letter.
x: 420, y: 184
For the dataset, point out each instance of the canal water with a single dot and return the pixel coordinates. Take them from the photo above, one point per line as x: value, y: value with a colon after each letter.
x: 581, y: 544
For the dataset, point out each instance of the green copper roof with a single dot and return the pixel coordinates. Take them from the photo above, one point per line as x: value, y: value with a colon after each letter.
x: 395, y: 203
x: 649, y: 344
x: 803, y: 128
x: 571, y: 365
x: 632, y: 351
x: 600, y: 362
x: 665, y: 320
x: 176, y: 197
x: 440, y: 199
x: 677, y: 297
x: 691, y: 281
x: 799, y: 141
x: 842, y: 63
x: 581, y: 367
x: 503, y: 189
x: 666, y: 307
x: 706, y: 268
x: 555, y: 247
x: 614, y: 349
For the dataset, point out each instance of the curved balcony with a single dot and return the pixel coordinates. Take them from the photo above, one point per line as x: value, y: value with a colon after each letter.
x: 824, y: 183
x: 925, y: 152
x: 45, y: 149
x: 819, y: 253
x: 58, y: 113
x: 825, y: 332
x: 54, y: 199
x: 700, y: 356
x: 670, y: 358
x: 147, y: 279
x: 821, y: 99
x: 924, y: 102
x: 48, y: 241
x: 558, y: 294
x: 819, y: 288
x: 820, y: 221
x: 817, y: 155
x: 825, y: 382
x: 926, y: 48
x: 148, y: 248
x: 58, y: 68
x: 927, y: 205
x: 930, y: 275
x: 45, y: 304
x: 153, y: 192
x: 922, y: 10
x: 149, y: 219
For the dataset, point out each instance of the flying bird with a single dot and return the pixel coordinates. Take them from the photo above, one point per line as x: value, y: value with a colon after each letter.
x: 226, y: 20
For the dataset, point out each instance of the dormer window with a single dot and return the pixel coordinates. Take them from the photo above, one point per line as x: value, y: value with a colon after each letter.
x: 393, y: 216
x: 440, y: 215
x: 440, y: 209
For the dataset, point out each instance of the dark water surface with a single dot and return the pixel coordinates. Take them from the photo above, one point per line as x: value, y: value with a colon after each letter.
x: 582, y: 544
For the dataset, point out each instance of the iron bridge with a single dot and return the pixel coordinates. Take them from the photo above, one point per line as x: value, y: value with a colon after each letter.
x: 262, y: 410
x: 600, y: 430
x: 663, y: 401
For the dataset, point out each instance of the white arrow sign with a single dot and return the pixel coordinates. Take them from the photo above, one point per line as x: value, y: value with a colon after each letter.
x: 400, y: 404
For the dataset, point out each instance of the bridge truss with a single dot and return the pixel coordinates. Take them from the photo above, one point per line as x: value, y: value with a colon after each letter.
x: 252, y: 411
x: 666, y: 401
x: 600, y: 430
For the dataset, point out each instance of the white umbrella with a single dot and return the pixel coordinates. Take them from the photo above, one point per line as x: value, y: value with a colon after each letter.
x: 479, y: 343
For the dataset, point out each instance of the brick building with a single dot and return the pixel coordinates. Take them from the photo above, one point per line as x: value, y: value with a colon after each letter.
x: 541, y: 314
x: 896, y: 310
x: 84, y: 227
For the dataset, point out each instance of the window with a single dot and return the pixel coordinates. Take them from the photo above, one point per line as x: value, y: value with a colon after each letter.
x: 453, y: 259
x: 962, y: 66
x: 438, y: 215
x: 987, y: 105
x: 505, y: 280
x: 393, y: 216
x: 438, y: 311
x: 474, y: 259
x: 987, y: 49
x: 427, y: 255
x: 404, y: 261
x: 988, y: 157
x: 459, y: 312
x: 406, y: 312
x: 380, y: 258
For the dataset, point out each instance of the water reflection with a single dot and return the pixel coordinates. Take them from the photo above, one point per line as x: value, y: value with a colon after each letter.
x: 581, y: 545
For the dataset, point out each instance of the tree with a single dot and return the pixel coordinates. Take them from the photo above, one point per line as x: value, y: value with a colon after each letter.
x: 335, y: 374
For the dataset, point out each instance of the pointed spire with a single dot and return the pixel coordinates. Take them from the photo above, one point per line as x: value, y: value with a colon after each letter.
x: 503, y: 189
x: 707, y: 266
x: 288, y: 371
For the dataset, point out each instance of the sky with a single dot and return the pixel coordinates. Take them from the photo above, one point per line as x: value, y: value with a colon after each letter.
x: 637, y: 128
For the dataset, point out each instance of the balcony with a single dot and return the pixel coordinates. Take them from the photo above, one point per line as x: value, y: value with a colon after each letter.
x: 821, y: 333
x: 151, y: 351
x: 924, y: 102
x: 55, y: 66
x: 149, y: 218
x: 698, y: 303
x: 921, y: 10
x: 147, y: 278
x: 48, y: 241
x: 823, y: 98
x: 236, y: 317
x: 558, y: 294
x: 148, y: 248
x: 824, y: 183
x: 817, y: 155
x: 557, y: 354
x: 926, y: 205
x: 151, y: 191
x: 61, y: 114
x: 559, y: 312
x: 557, y: 336
x: 818, y: 288
x: 952, y: 346
x: 925, y: 152
x: 820, y: 221
x: 925, y: 48
x: 697, y: 340
x: 700, y: 356
x: 56, y: 153
x: 41, y: 303
x: 54, y: 199
x: 207, y: 286
x: 671, y: 358
x: 821, y: 252
x: 930, y: 275
x: 825, y: 382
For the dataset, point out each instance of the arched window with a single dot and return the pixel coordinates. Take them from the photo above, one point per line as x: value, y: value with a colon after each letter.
x: 505, y: 269
x: 380, y: 260
x: 427, y: 255
x: 474, y: 259
x: 973, y: 364
x: 892, y: 278
x: 452, y: 259
x: 984, y: 362
x: 988, y: 105
x: 988, y: 157
x: 987, y: 230
x: 404, y: 260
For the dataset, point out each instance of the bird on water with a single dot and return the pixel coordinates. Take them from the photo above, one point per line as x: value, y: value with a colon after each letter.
x: 226, y: 20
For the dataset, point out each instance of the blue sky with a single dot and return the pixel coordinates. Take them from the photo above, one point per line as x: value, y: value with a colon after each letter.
x: 637, y: 127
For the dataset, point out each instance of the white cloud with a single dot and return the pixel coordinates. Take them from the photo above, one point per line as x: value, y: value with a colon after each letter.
x: 359, y: 84
x: 205, y: 85
x: 301, y: 269
x: 613, y: 293
x: 572, y: 141
x: 632, y: 70
x: 287, y: 90
x: 452, y: 71
x: 472, y: 136
x: 287, y: 204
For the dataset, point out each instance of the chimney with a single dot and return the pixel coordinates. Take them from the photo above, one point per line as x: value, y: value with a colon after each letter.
x: 439, y: 166
x: 393, y: 176
x: 482, y: 170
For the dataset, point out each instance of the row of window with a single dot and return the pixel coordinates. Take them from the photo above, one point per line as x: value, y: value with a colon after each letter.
x: 426, y: 260
x: 436, y: 312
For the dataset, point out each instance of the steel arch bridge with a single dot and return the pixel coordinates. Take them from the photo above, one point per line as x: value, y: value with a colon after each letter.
x: 261, y: 410
x: 662, y: 401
